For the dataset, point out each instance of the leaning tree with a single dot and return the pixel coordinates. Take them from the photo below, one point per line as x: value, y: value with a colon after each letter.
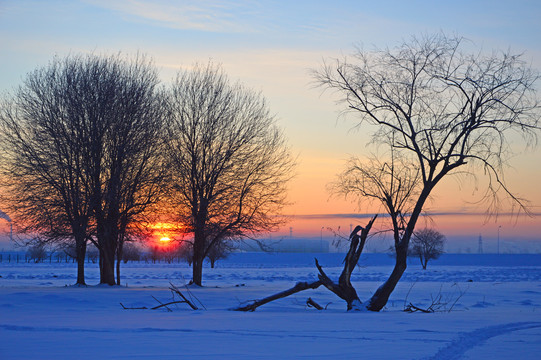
x: 228, y: 161
x: 437, y: 110
x: 440, y: 109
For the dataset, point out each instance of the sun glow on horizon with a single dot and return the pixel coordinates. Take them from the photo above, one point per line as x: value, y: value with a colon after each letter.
x: 165, y: 234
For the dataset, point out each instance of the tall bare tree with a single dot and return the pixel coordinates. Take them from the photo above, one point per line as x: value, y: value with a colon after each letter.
x: 439, y: 109
x: 81, y: 139
x: 130, y: 175
x: 44, y: 147
x: 228, y: 161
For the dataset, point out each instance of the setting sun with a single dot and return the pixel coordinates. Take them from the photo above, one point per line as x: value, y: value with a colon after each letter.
x: 165, y: 234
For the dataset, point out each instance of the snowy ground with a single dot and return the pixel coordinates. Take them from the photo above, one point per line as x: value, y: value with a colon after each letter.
x: 498, y: 315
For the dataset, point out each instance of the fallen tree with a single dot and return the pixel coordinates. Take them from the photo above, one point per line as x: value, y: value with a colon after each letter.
x: 343, y: 289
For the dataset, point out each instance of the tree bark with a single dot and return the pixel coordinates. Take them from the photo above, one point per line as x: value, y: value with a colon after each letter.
x: 198, y: 252
x: 197, y: 272
x: 80, y: 248
x: 118, y: 260
x: 381, y: 296
x: 107, y: 261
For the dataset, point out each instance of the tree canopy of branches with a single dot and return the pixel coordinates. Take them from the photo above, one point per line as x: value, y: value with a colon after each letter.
x: 228, y: 161
x: 80, y: 139
x: 437, y: 110
x: 427, y: 244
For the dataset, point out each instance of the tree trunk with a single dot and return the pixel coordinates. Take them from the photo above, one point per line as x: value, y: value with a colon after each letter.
x: 197, y: 272
x: 198, y: 254
x: 108, y: 241
x: 381, y: 296
x: 107, y: 262
x: 108, y: 271
x: 118, y: 260
x: 424, y: 262
x: 118, y: 271
x: 80, y: 248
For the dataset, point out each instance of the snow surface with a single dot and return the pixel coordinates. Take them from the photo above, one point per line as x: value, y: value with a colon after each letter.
x: 498, y: 315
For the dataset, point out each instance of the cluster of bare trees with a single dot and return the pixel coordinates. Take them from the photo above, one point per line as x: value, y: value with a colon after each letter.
x: 81, y: 139
x: 91, y: 144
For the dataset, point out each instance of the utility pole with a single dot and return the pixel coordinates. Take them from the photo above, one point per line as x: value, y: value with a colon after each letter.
x: 480, y: 248
x: 499, y: 227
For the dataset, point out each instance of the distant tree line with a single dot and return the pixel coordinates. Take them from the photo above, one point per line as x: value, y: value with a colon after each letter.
x: 93, y: 148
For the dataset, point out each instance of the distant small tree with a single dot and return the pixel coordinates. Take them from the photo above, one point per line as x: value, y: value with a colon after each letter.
x: 130, y: 252
x: 37, y: 252
x: 185, y: 252
x: 154, y: 254
x: 427, y: 244
x: 92, y: 254
x: 221, y: 250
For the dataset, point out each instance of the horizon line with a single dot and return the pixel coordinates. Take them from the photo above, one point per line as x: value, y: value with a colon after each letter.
x: 449, y: 213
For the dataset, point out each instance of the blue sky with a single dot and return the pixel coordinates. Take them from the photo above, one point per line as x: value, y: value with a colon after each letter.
x: 271, y: 46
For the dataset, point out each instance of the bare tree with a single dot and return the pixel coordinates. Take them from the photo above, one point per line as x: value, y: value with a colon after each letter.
x: 36, y: 251
x: 127, y: 172
x: 44, y: 153
x: 228, y: 161
x: 220, y: 250
x: 185, y: 251
x: 439, y: 109
x: 82, y: 139
x: 130, y: 252
x: 427, y: 244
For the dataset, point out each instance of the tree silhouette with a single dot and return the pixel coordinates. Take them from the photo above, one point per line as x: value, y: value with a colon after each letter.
x: 437, y: 110
x: 81, y: 139
x: 427, y: 244
x: 228, y: 161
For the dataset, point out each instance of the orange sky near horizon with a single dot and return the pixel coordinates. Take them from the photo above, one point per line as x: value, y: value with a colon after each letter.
x: 273, y: 47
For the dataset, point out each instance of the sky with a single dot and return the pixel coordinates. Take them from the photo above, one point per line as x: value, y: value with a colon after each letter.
x: 272, y: 47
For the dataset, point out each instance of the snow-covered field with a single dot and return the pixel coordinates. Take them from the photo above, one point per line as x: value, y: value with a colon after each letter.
x: 495, y: 311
